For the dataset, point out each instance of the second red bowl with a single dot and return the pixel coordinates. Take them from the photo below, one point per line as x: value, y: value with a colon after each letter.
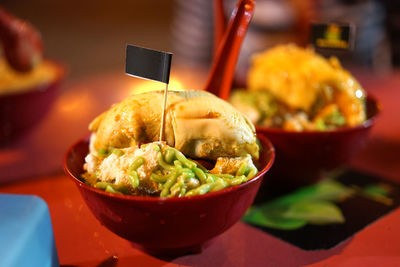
x: 304, y: 157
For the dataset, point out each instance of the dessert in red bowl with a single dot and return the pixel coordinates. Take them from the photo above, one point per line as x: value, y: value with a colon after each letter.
x: 25, y: 98
x: 167, y: 225
x: 316, y: 114
x: 169, y: 196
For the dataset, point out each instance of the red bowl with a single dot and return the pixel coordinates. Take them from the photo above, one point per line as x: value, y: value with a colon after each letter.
x: 167, y: 226
x: 304, y: 157
x: 20, y: 111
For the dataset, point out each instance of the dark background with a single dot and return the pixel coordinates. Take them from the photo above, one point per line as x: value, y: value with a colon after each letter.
x: 90, y: 36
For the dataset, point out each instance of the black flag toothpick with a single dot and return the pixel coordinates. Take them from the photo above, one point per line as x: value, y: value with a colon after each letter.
x: 150, y: 64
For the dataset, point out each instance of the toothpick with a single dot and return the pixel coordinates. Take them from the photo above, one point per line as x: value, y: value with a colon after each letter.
x: 162, y: 128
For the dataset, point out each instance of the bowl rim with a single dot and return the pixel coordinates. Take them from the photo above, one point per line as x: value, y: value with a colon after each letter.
x: 151, y: 199
x: 366, y: 124
x: 61, y: 73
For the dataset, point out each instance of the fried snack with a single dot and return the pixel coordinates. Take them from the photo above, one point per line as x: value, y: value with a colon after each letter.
x: 198, y: 124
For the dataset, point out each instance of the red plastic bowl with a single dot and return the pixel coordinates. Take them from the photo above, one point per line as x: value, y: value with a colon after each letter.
x: 303, y: 157
x: 20, y: 111
x: 167, y: 226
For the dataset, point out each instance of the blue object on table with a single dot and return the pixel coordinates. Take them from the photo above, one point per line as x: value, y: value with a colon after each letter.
x: 26, y: 233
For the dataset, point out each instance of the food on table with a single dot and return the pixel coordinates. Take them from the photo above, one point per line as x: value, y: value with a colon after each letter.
x: 296, y: 89
x: 21, y: 65
x: 126, y: 157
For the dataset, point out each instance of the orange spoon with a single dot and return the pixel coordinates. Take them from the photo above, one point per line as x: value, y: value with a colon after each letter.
x: 219, y: 24
x: 223, y: 67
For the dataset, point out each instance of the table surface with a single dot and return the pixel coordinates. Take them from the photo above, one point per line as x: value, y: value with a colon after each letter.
x: 32, y: 165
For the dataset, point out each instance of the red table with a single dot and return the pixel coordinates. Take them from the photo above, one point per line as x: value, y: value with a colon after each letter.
x: 82, y: 241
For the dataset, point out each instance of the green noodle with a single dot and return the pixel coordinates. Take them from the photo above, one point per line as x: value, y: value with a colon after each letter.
x: 183, y: 192
x: 120, y: 188
x: 219, y: 185
x: 110, y: 189
x: 210, y: 178
x: 184, y: 160
x: 176, y: 189
x: 139, y: 161
x: 237, y: 180
x: 169, y: 155
x: 200, y: 175
x: 253, y: 171
x: 158, y: 178
x: 226, y: 176
x: 101, y: 185
x: 163, y: 164
x: 178, y: 164
x: 168, y: 184
x: 102, y: 152
x: 242, y: 169
x: 134, y: 178
x: 117, y: 152
x: 202, y: 189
